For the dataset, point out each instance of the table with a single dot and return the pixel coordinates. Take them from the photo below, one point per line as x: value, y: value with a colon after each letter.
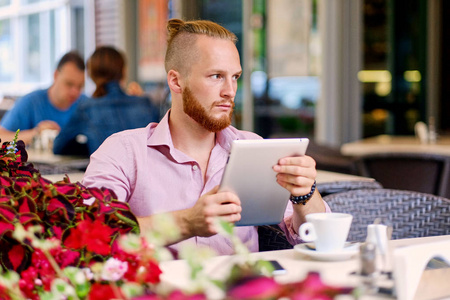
x: 400, y: 144
x: 175, y: 273
x: 47, y: 157
x: 322, y: 177
x: 74, y: 177
x: 327, y: 176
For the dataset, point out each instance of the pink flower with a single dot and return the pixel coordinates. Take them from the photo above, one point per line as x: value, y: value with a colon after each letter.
x: 114, y: 269
x: 255, y: 288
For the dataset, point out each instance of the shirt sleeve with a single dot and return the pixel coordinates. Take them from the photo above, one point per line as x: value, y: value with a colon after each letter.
x: 109, y: 167
x: 19, y: 116
x: 288, y: 227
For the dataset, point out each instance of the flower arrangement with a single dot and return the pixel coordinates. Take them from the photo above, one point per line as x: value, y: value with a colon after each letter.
x: 54, y: 246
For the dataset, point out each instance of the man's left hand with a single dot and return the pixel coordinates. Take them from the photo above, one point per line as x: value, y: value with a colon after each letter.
x: 296, y: 174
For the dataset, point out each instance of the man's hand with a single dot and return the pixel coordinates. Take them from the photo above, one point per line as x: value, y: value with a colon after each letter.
x: 47, y: 124
x: 200, y: 218
x: 134, y: 89
x: 296, y: 174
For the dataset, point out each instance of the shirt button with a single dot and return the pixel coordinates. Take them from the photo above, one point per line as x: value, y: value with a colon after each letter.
x: 194, y: 167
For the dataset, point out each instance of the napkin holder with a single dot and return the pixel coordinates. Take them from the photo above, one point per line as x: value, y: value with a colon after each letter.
x: 410, y: 263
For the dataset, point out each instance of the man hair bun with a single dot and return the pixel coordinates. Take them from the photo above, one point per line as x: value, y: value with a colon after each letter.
x: 173, y: 26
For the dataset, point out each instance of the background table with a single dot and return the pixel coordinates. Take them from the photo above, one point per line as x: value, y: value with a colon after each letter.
x: 401, y: 144
x: 46, y: 157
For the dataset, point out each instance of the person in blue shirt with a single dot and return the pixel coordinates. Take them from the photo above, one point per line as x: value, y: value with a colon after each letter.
x: 110, y: 109
x: 49, y: 108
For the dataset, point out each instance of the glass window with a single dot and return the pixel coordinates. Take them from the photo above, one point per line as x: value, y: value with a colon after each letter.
x: 5, y: 2
x: 6, y: 53
x: 32, y: 53
x: 33, y: 36
x: 34, y: 1
x: 394, y: 64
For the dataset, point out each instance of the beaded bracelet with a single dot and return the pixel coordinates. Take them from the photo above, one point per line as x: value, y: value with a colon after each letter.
x: 305, y: 198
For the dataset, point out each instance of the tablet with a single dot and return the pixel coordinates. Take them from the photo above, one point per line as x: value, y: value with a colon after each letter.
x: 249, y: 174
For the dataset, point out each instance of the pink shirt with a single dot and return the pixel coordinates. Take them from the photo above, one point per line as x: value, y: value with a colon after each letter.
x: 144, y: 169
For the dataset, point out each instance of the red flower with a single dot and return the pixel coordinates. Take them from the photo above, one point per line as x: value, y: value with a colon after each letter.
x: 140, y: 269
x: 65, y: 257
x: 103, y: 292
x: 95, y: 236
x: 152, y: 272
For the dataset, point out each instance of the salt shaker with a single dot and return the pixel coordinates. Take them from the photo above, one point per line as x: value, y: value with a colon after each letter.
x: 368, y: 259
x: 368, y: 270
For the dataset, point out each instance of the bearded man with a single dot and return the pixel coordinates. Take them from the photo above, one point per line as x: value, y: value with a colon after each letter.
x: 176, y: 165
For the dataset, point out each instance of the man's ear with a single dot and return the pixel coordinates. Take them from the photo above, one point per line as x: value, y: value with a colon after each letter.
x: 174, y: 81
x: 55, y: 74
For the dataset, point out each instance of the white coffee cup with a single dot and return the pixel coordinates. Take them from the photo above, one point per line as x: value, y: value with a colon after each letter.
x: 328, y: 231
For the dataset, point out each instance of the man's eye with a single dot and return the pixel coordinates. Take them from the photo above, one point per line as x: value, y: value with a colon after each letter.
x: 236, y: 77
x: 216, y: 76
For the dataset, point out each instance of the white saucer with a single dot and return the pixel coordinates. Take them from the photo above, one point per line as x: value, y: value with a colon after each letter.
x: 349, y: 251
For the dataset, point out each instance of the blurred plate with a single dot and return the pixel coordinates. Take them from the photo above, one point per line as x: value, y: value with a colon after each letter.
x: 350, y: 250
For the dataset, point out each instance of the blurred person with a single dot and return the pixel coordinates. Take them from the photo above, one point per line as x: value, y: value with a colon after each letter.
x: 108, y: 111
x: 49, y: 108
x: 175, y: 166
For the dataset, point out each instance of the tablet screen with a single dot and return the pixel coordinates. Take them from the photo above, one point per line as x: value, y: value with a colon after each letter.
x: 249, y: 174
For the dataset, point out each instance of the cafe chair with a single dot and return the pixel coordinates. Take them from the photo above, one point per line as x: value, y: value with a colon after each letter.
x: 329, y: 158
x: 420, y: 172
x: 412, y: 214
x: 328, y: 188
x: 271, y: 237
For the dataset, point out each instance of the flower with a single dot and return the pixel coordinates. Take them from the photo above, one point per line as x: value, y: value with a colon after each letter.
x: 114, y: 269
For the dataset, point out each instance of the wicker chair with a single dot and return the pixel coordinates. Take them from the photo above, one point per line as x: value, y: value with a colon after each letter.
x: 271, y: 237
x: 411, y: 214
x: 327, y: 188
x: 420, y: 172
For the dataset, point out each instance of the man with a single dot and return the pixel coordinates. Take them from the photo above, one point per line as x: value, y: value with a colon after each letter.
x: 50, y: 108
x: 175, y: 166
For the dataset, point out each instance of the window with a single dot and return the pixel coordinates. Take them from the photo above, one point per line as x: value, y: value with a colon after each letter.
x: 6, y: 65
x: 34, y: 34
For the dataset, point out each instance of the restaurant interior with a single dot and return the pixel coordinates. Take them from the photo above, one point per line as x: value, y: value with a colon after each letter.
x: 364, y: 80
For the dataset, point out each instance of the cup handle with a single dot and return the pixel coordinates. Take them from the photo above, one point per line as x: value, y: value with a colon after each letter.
x: 307, y: 232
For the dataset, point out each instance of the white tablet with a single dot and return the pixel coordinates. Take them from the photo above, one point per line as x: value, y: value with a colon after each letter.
x: 249, y: 174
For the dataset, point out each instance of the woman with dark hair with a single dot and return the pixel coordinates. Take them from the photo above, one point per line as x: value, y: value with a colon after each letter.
x: 110, y: 109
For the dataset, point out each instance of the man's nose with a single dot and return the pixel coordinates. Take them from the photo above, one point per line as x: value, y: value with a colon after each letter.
x: 76, y: 91
x: 229, y: 88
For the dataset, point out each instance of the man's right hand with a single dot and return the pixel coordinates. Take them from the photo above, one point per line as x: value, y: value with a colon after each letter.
x: 199, y: 219
x: 47, y: 124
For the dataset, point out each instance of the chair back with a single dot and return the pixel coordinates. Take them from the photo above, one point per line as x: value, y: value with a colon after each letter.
x: 420, y: 172
x: 411, y: 214
x: 328, y: 188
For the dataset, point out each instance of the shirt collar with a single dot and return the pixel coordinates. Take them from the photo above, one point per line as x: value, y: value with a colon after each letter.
x: 161, y: 135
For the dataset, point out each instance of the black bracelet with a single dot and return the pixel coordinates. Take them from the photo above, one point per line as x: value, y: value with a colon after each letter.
x: 305, y: 198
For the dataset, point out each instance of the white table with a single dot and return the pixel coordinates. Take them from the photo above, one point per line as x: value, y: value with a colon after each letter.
x: 74, y: 177
x: 398, y: 144
x: 327, y: 176
x: 176, y: 273
x: 322, y: 177
x: 46, y: 157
